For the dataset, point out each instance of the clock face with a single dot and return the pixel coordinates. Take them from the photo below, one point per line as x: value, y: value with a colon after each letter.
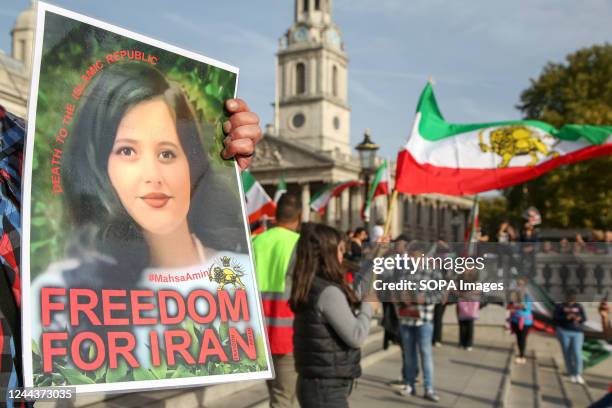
x: 333, y: 37
x: 300, y: 35
x: 298, y: 120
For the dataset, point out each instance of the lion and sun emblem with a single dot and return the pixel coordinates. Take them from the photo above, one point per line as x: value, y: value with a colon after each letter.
x: 511, y: 141
x: 225, y: 272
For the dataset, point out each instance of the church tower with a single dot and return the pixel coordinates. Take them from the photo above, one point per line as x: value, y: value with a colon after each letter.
x: 23, y: 36
x: 312, y: 80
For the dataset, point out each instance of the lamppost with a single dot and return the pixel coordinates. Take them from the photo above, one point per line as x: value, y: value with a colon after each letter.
x: 367, y: 153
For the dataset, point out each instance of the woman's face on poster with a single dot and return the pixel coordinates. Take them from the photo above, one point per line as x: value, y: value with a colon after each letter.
x: 148, y: 168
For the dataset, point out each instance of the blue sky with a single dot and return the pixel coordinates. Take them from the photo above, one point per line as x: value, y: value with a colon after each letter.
x: 481, y: 53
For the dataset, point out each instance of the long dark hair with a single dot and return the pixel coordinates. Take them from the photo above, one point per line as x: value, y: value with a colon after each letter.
x: 102, y: 228
x: 317, y: 256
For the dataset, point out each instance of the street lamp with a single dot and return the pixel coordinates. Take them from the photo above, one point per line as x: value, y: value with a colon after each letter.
x: 367, y: 153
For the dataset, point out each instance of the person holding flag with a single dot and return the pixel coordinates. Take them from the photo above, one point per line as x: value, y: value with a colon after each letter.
x: 569, y: 318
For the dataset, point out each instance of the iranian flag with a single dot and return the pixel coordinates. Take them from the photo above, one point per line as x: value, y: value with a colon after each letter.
x: 259, y: 203
x: 594, y: 349
x: 380, y: 186
x: 458, y: 159
x: 319, y: 201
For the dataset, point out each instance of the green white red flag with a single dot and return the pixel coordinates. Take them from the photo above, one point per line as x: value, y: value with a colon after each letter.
x: 280, y: 189
x: 259, y: 203
x: 381, y: 185
x: 458, y: 159
x: 594, y: 349
x: 321, y: 199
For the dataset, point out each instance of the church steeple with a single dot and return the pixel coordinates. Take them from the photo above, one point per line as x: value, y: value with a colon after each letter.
x: 313, y: 12
x: 23, y: 35
x: 313, y: 24
x: 313, y: 80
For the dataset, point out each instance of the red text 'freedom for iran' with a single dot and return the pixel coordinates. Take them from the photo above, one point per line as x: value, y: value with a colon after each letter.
x: 142, y: 308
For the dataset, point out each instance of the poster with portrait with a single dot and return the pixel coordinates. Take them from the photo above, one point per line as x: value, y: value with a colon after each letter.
x: 136, y: 263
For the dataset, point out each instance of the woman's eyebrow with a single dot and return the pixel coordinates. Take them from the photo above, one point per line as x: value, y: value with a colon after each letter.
x: 125, y: 140
x: 170, y: 144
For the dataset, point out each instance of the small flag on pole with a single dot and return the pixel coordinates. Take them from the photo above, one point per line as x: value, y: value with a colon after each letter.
x: 280, y: 189
x: 380, y: 186
x: 320, y: 200
x: 259, y: 203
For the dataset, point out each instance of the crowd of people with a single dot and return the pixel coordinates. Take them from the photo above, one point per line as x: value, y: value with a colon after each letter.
x: 597, y: 241
x: 320, y: 311
x: 330, y: 319
x: 317, y: 319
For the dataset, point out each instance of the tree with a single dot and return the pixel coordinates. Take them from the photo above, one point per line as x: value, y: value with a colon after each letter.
x: 493, y: 211
x: 578, y: 91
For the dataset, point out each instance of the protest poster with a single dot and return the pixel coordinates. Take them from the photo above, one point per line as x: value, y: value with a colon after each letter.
x: 136, y: 263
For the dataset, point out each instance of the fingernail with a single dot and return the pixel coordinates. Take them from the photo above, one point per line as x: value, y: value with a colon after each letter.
x: 232, y: 105
x: 227, y: 126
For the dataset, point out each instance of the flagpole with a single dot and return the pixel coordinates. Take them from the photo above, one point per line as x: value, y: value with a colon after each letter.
x: 390, y: 209
x: 467, y: 248
x: 379, y: 248
x: 388, y: 177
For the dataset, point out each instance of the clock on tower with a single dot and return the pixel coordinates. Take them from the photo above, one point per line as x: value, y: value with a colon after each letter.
x: 300, y: 34
x: 313, y: 78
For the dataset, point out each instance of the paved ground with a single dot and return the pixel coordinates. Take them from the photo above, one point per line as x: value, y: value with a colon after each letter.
x: 477, y: 378
x: 483, y: 377
x: 462, y: 378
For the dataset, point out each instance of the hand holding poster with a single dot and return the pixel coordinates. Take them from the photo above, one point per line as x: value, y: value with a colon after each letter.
x: 136, y: 260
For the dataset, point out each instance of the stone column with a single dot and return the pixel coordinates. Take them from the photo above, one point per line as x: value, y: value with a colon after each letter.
x: 357, y: 202
x: 396, y: 218
x: 435, y: 230
x: 447, y: 223
x: 290, y: 79
x: 350, y: 206
x: 466, y: 221
x: 330, y: 213
x: 319, y: 81
x: 353, y: 210
x: 344, y: 209
x: 312, y: 77
x: 305, y: 202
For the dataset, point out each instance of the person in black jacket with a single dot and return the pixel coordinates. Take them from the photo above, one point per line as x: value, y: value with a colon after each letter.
x: 569, y: 317
x: 330, y: 321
